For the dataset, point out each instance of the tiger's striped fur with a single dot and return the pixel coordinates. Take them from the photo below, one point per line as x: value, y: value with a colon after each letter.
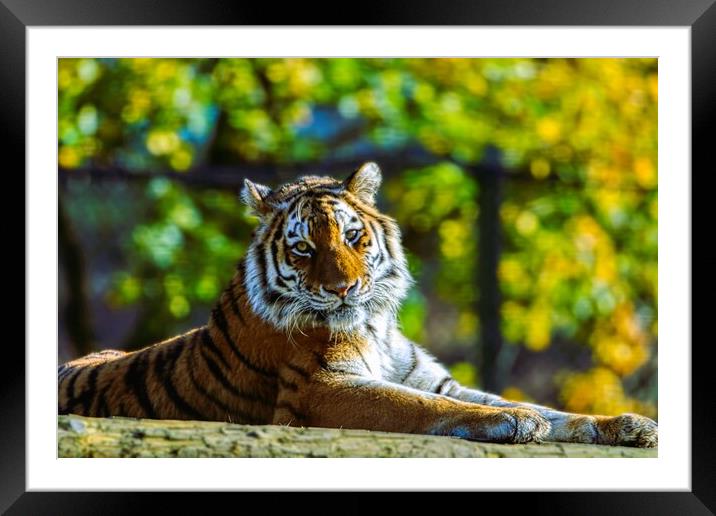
x: 306, y: 334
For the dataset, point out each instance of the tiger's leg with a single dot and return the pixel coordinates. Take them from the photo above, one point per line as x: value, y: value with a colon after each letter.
x: 623, y: 430
x: 352, y: 401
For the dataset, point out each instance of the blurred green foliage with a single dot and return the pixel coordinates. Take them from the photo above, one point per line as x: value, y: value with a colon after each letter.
x: 577, y: 136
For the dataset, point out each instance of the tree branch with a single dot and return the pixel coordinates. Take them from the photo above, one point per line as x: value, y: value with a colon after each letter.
x: 127, y: 437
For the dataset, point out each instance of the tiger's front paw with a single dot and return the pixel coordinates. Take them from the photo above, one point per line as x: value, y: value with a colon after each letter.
x: 496, y: 425
x: 629, y: 430
x: 511, y: 425
x: 528, y: 426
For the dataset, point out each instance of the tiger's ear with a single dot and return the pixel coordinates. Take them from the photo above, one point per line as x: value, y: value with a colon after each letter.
x: 364, y: 182
x: 254, y: 196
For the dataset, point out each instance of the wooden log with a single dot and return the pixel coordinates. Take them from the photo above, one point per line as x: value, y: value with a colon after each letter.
x: 128, y: 437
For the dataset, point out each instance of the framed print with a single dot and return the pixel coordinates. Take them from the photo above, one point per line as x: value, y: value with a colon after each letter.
x: 664, y: 50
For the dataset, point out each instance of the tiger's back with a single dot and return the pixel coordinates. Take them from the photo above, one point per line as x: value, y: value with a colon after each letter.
x: 192, y: 376
x: 154, y: 382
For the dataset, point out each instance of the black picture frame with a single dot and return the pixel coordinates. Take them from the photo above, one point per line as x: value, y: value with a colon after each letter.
x: 700, y: 15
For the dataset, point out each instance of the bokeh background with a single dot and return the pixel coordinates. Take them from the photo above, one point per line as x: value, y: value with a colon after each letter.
x: 526, y: 190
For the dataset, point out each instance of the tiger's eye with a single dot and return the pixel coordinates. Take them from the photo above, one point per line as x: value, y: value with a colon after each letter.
x: 301, y: 247
x: 351, y: 235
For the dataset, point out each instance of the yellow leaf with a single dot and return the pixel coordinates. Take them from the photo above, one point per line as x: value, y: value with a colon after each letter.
x: 549, y: 129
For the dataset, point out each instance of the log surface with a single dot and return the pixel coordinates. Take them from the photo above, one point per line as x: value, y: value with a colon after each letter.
x: 128, y: 437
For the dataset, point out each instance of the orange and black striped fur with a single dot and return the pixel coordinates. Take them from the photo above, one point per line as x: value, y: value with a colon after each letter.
x: 306, y: 334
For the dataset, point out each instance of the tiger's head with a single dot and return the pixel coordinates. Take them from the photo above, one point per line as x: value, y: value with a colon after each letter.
x: 323, y: 254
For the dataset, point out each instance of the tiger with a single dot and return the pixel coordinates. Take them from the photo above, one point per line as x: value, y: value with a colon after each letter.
x: 307, y: 334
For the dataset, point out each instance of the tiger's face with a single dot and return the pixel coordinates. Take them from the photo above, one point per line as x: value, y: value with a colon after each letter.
x: 323, y: 254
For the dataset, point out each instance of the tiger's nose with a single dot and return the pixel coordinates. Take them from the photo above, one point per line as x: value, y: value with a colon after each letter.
x: 343, y: 290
